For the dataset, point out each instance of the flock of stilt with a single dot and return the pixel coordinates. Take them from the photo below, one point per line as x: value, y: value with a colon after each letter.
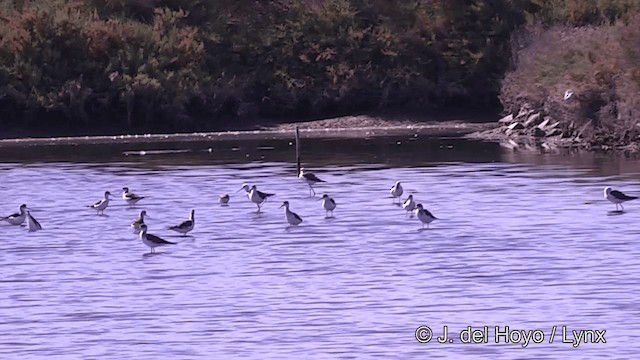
x: 258, y: 198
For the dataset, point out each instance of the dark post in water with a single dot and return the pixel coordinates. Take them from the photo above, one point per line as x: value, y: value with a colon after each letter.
x: 297, y: 151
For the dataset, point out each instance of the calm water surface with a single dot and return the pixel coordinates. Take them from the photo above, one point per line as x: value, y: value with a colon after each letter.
x: 525, y: 240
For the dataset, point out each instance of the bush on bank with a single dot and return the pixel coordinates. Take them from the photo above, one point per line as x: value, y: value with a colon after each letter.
x: 178, y: 64
x: 82, y: 65
x: 599, y: 65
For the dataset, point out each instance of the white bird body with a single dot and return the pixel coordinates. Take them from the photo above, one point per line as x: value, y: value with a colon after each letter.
x: 310, y: 178
x: 151, y: 240
x: 257, y: 197
x: 101, y: 205
x: 130, y: 197
x: 617, y: 197
x: 396, y: 190
x: 328, y: 204
x: 17, y: 218
x: 187, y: 225
x: 409, y: 205
x: 567, y: 95
x: 292, y: 218
x: 424, y: 215
x: 33, y: 224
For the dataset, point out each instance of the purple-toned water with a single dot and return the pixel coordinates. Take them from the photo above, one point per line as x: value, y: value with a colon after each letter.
x: 525, y: 240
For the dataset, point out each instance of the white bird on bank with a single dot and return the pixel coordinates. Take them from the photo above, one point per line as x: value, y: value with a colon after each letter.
x: 328, y: 204
x: 187, y: 225
x: 617, y: 197
x: 568, y: 94
x: 292, y: 218
x: 424, y: 215
x: 17, y: 218
x: 137, y: 223
x: 101, y: 205
x: 256, y: 197
x: 130, y: 197
x: 409, y: 205
x: 33, y: 224
x: 396, y: 190
x: 151, y: 240
x: 310, y: 178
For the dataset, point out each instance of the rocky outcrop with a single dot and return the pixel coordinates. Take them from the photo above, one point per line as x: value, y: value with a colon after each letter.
x: 531, y: 127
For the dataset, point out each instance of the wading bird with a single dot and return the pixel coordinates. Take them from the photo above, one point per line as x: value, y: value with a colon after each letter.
x: 130, y: 197
x: 101, y: 205
x: 424, y: 215
x: 185, y: 226
x: 396, y: 191
x: 151, y: 240
x: 409, y: 205
x: 328, y: 204
x: 256, y: 197
x: 292, y: 218
x: 311, y: 179
x: 139, y: 221
x: 617, y: 197
x: 17, y: 218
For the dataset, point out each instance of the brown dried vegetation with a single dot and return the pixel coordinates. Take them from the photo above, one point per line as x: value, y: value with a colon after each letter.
x: 598, y: 64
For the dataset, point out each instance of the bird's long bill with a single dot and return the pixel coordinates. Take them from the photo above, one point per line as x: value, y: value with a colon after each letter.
x: 240, y: 189
x: 319, y: 199
x: 281, y: 206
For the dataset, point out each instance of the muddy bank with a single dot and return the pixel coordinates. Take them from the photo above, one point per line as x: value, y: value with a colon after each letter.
x: 343, y: 127
x: 529, y: 128
x: 534, y: 127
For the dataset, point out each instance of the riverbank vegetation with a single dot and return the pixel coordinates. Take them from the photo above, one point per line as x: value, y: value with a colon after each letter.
x: 180, y: 65
x: 583, y: 72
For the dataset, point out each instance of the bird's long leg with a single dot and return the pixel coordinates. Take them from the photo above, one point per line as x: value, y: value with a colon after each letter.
x: 622, y: 207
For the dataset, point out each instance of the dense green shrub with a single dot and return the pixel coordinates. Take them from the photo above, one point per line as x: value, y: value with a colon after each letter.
x: 201, y: 64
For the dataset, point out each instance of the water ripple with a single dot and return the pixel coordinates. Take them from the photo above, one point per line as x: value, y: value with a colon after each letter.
x: 519, y: 244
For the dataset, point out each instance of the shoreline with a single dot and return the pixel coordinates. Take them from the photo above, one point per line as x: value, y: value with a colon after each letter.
x: 344, y: 127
